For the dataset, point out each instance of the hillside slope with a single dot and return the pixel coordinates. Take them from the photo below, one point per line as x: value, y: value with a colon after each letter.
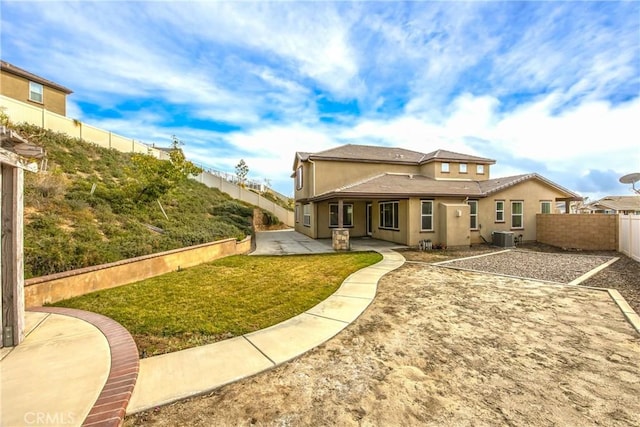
x: 86, y: 209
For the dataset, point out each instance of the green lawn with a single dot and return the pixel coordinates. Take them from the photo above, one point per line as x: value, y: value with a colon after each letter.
x: 218, y: 300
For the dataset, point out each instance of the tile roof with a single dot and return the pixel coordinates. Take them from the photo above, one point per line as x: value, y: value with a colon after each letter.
x: 10, y: 68
x: 618, y: 203
x: 374, y: 154
x: 408, y: 185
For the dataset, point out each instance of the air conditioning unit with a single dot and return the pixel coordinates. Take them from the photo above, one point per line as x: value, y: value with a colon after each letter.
x: 503, y: 239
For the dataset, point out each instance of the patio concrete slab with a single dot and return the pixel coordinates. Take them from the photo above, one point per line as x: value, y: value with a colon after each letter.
x: 293, y: 337
x: 170, y: 377
x: 56, y: 374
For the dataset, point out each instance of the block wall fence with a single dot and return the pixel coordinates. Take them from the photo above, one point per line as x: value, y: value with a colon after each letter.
x: 579, y: 231
x: 20, y: 112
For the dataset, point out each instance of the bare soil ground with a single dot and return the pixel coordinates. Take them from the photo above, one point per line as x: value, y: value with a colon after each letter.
x: 447, y: 347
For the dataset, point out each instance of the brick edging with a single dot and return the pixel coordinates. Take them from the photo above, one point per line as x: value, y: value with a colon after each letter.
x: 110, y: 407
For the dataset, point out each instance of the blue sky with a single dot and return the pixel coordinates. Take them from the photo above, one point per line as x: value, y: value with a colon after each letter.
x: 546, y: 87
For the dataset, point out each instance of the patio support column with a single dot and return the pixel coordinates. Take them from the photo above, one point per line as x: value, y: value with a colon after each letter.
x: 340, y: 235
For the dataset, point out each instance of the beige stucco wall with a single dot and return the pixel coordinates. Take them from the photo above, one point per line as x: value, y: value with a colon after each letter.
x: 17, y: 87
x: 338, y: 174
x: 433, y: 169
x: 579, y: 231
x: 57, y: 287
x: 359, y: 219
x: 532, y: 192
x: 454, y: 224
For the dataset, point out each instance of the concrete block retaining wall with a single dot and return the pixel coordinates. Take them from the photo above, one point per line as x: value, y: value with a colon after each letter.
x: 56, y: 287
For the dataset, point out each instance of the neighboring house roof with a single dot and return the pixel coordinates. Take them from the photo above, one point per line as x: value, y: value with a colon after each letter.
x: 617, y: 203
x: 373, y: 154
x: 10, y: 68
x: 408, y: 185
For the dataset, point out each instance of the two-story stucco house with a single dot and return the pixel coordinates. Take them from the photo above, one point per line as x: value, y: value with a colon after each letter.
x: 404, y: 196
x: 27, y: 87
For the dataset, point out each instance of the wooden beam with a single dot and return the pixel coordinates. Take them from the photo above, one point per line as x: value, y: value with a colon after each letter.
x: 11, y: 255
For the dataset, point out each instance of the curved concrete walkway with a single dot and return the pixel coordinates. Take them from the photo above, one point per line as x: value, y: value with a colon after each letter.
x: 79, y: 368
x: 174, y: 376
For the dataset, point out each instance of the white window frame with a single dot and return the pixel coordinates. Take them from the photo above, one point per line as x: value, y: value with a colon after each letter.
x: 306, y: 215
x: 347, y: 215
x: 473, y: 216
x: 499, y: 216
x: 548, y: 203
x: 299, y: 178
x: 480, y: 169
x: 462, y: 167
x: 424, y: 203
x: 517, y: 215
x: 444, y: 167
x: 393, y: 215
x: 37, y: 89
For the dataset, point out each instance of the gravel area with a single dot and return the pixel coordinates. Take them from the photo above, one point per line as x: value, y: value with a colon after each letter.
x: 623, y: 275
x: 550, y: 267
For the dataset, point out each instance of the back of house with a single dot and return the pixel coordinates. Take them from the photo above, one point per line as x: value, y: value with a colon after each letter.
x: 406, y: 197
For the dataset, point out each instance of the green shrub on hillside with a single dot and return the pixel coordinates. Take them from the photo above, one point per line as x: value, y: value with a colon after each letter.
x: 86, y: 209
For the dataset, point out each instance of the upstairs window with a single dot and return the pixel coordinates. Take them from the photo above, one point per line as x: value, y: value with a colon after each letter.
x: 499, y: 210
x: 444, y: 167
x: 299, y: 180
x: 347, y: 215
x: 36, y: 92
x: 473, y: 214
x: 545, y: 207
x: 463, y: 168
x: 480, y: 169
x: 517, y: 214
x: 427, y: 215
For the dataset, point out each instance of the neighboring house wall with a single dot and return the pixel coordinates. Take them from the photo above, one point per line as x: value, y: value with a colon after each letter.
x: 17, y: 87
x: 587, y: 232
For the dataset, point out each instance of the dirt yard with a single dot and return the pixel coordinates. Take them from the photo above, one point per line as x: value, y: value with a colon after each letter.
x: 447, y: 347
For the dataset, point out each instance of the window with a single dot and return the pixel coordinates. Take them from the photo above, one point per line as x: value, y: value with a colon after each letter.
x: 36, y: 92
x: 427, y: 215
x: 473, y: 214
x: 499, y: 210
x: 297, y: 213
x: 463, y: 168
x: 545, y: 207
x: 480, y: 169
x: 299, y: 178
x: 306, y: 215
x: 517, y: 214
x: 444, y: 167
x: 389, y: 215
x: 347, y: 215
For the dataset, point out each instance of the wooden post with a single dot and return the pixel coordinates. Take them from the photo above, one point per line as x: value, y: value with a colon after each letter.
x: 11, y: 256
x: 340, y: 219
